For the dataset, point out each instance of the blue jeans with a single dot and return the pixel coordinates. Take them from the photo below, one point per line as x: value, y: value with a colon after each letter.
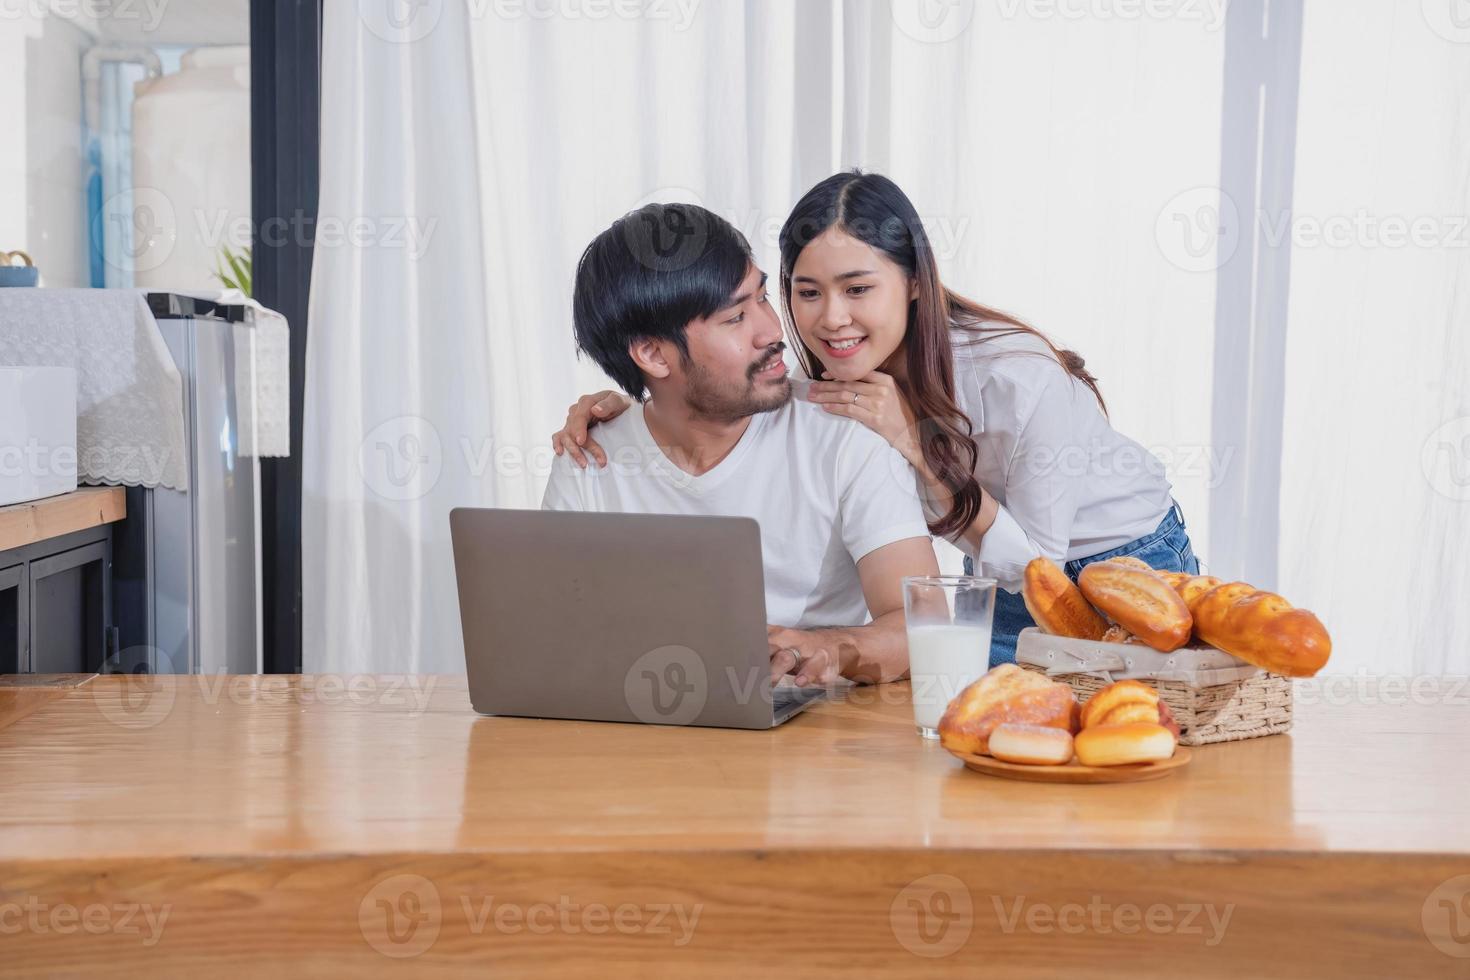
x: 1166, y: 547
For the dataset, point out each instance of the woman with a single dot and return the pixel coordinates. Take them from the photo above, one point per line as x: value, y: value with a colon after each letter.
x: 1008, y: 433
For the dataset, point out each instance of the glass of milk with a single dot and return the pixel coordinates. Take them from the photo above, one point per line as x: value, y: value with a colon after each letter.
x: 948, y: 621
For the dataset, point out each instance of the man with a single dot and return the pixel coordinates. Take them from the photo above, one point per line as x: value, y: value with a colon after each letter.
x: 670, y: 304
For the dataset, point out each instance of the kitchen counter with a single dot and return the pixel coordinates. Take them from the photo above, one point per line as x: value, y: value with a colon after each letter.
x: 322, y: 826
x: 51, y: 517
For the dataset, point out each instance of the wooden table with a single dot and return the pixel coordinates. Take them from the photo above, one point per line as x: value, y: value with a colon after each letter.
x: 326, y: 827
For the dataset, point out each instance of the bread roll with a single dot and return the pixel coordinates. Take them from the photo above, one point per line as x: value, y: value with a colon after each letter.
x: 1115, y: 695
x: 1126, y: 714
x: 1122, y: 745
x: 1117, y: 634
x: 1141, y: 602
x: 1055, y: 603
x: 1262, y: 628
x: 1007, y: 694
x: 1031, y: 745
x: 1173, y: 578
x: 1125, y: 702
x: 1154, y: 714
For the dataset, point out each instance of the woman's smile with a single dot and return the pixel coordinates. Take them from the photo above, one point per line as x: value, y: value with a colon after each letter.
x: 845, y: 346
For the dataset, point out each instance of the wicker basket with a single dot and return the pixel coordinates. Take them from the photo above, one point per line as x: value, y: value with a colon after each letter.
x: 1214, y: 697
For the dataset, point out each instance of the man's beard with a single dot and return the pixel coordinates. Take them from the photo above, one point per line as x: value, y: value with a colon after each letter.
x: 721, y: 402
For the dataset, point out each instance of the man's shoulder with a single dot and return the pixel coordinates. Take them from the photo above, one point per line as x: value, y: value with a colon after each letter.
x: 617, y: 437
x: 832, y: 450
x: 819, y: 426
x: 623, y: 430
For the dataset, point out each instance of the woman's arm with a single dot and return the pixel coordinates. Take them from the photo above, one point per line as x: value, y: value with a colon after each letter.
x: 938, y: 499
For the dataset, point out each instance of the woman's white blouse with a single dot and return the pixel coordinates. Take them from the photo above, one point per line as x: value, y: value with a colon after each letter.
x: 1068, y: 484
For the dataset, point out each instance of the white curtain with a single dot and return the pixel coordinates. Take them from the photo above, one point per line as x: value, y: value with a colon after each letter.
x: 1046, y: 152
x: 1375, y: 496
x: 399, y: 363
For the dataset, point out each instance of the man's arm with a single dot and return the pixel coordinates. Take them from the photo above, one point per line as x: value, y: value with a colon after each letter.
x: 869, y: 654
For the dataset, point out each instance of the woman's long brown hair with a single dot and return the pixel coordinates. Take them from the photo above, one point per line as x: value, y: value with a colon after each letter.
x: 872, y: 209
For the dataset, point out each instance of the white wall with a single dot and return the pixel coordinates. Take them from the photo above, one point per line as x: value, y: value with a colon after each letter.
x: 42, y: 209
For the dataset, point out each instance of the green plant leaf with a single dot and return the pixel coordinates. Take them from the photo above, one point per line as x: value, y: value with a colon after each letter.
x: 238, y: 276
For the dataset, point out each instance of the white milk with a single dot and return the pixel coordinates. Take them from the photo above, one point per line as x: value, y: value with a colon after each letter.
x: 943, y: 661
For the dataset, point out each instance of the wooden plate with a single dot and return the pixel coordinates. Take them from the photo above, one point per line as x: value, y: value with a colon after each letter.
x: 1074, y: 771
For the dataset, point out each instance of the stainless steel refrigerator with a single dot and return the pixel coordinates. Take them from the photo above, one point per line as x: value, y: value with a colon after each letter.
x: 186, y: 565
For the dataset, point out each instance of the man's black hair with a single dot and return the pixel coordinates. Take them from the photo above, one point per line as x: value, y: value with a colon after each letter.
x: 647, y: 277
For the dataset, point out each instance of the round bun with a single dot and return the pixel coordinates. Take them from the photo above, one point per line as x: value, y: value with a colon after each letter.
x: 1115, y: 695
x: 1124, y: 702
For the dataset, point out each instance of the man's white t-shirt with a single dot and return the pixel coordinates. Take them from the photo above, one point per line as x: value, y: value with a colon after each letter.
x: 825, y: 490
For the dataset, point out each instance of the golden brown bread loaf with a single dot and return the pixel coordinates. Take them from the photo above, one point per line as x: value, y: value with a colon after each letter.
x: 1191, y: 587
x: 1031, y: 745
x: 1262, y: 628
x: 1122, y: 745
x: 1229, y: 591
x: 1174, y: 578
x: 1005, y: 695
x: 1139, y: 601
x: 1056, y: 604
x: 1123, y: 702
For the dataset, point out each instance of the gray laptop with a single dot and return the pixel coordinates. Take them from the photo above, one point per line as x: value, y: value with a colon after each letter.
x: 617, y: 617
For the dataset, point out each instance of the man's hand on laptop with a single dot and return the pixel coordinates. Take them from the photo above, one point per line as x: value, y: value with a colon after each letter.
x: 815, y: 657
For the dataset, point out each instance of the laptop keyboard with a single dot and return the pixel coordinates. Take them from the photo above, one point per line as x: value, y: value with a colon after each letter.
x: 789, y: 695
